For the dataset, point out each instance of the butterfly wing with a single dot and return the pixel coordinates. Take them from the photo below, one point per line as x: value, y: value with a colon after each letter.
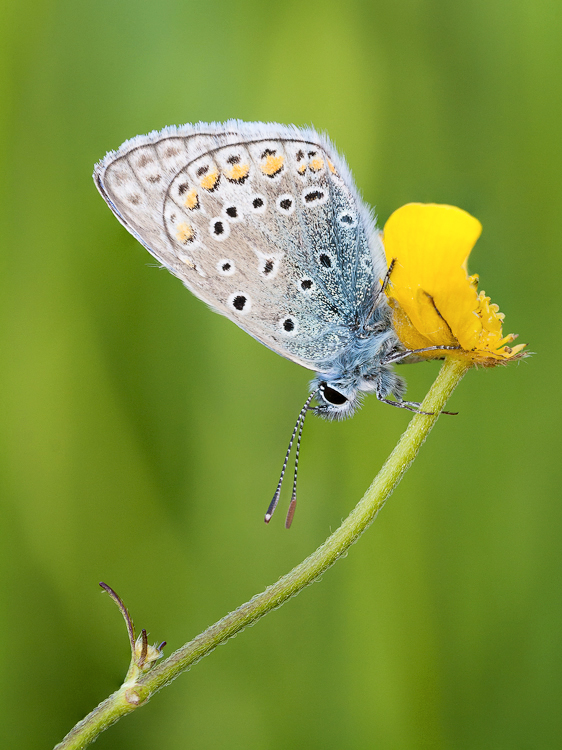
x: 261, y: 221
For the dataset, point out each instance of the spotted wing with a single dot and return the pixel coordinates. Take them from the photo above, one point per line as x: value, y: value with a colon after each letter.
x: 262, y: 222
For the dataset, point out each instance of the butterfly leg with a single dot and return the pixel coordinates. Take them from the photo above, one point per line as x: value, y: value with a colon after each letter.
x: 386, y: 279
x: 402, y: 355
x: 414, y: 406
x: 409, y: 405
x: 378, y: 294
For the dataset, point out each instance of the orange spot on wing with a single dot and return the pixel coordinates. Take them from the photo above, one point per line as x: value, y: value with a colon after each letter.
x: 316, y: 164
x: 331, y: 167
x: 185, y: 233
x: 301, y: 169
x: 272, y: 165
x: 238, y: 172
x: 209, y: 181
x: 191, y: 199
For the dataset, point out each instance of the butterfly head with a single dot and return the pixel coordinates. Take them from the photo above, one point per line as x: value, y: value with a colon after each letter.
x: 340, y: 393
x: 335, y: 400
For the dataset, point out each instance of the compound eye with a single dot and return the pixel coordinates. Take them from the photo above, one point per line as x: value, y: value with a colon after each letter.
x: 332, y: 396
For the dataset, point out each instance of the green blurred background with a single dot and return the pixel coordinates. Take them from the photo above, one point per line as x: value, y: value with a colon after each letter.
x: 142, y: 436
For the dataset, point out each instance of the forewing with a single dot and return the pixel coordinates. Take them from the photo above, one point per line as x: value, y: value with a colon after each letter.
x: 262, y: 222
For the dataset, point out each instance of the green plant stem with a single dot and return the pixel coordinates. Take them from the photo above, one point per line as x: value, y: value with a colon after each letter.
x: 135, y: 693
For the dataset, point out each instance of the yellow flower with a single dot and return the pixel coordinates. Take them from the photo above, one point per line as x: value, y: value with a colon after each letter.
x: 434, y: 301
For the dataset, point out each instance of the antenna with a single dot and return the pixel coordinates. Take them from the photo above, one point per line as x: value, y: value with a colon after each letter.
x: 298, y: 428
x: 293, y: 503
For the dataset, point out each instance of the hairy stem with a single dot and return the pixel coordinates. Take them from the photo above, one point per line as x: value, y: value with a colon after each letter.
x: 135, y: 693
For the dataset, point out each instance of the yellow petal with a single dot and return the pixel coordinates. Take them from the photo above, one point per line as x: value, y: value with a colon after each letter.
x: 406, y: 332
x: 432, y: 297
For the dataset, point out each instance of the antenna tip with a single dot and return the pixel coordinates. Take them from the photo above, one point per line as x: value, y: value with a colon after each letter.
x: 272, y: 505
x: 291, y: 513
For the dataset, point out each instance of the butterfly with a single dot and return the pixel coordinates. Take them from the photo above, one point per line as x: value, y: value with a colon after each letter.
x: 263, y: 222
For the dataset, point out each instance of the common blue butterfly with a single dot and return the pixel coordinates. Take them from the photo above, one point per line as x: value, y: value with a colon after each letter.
x: 264, y: 223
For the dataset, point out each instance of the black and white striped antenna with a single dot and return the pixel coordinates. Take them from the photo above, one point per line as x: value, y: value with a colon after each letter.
x: 297, y: 430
